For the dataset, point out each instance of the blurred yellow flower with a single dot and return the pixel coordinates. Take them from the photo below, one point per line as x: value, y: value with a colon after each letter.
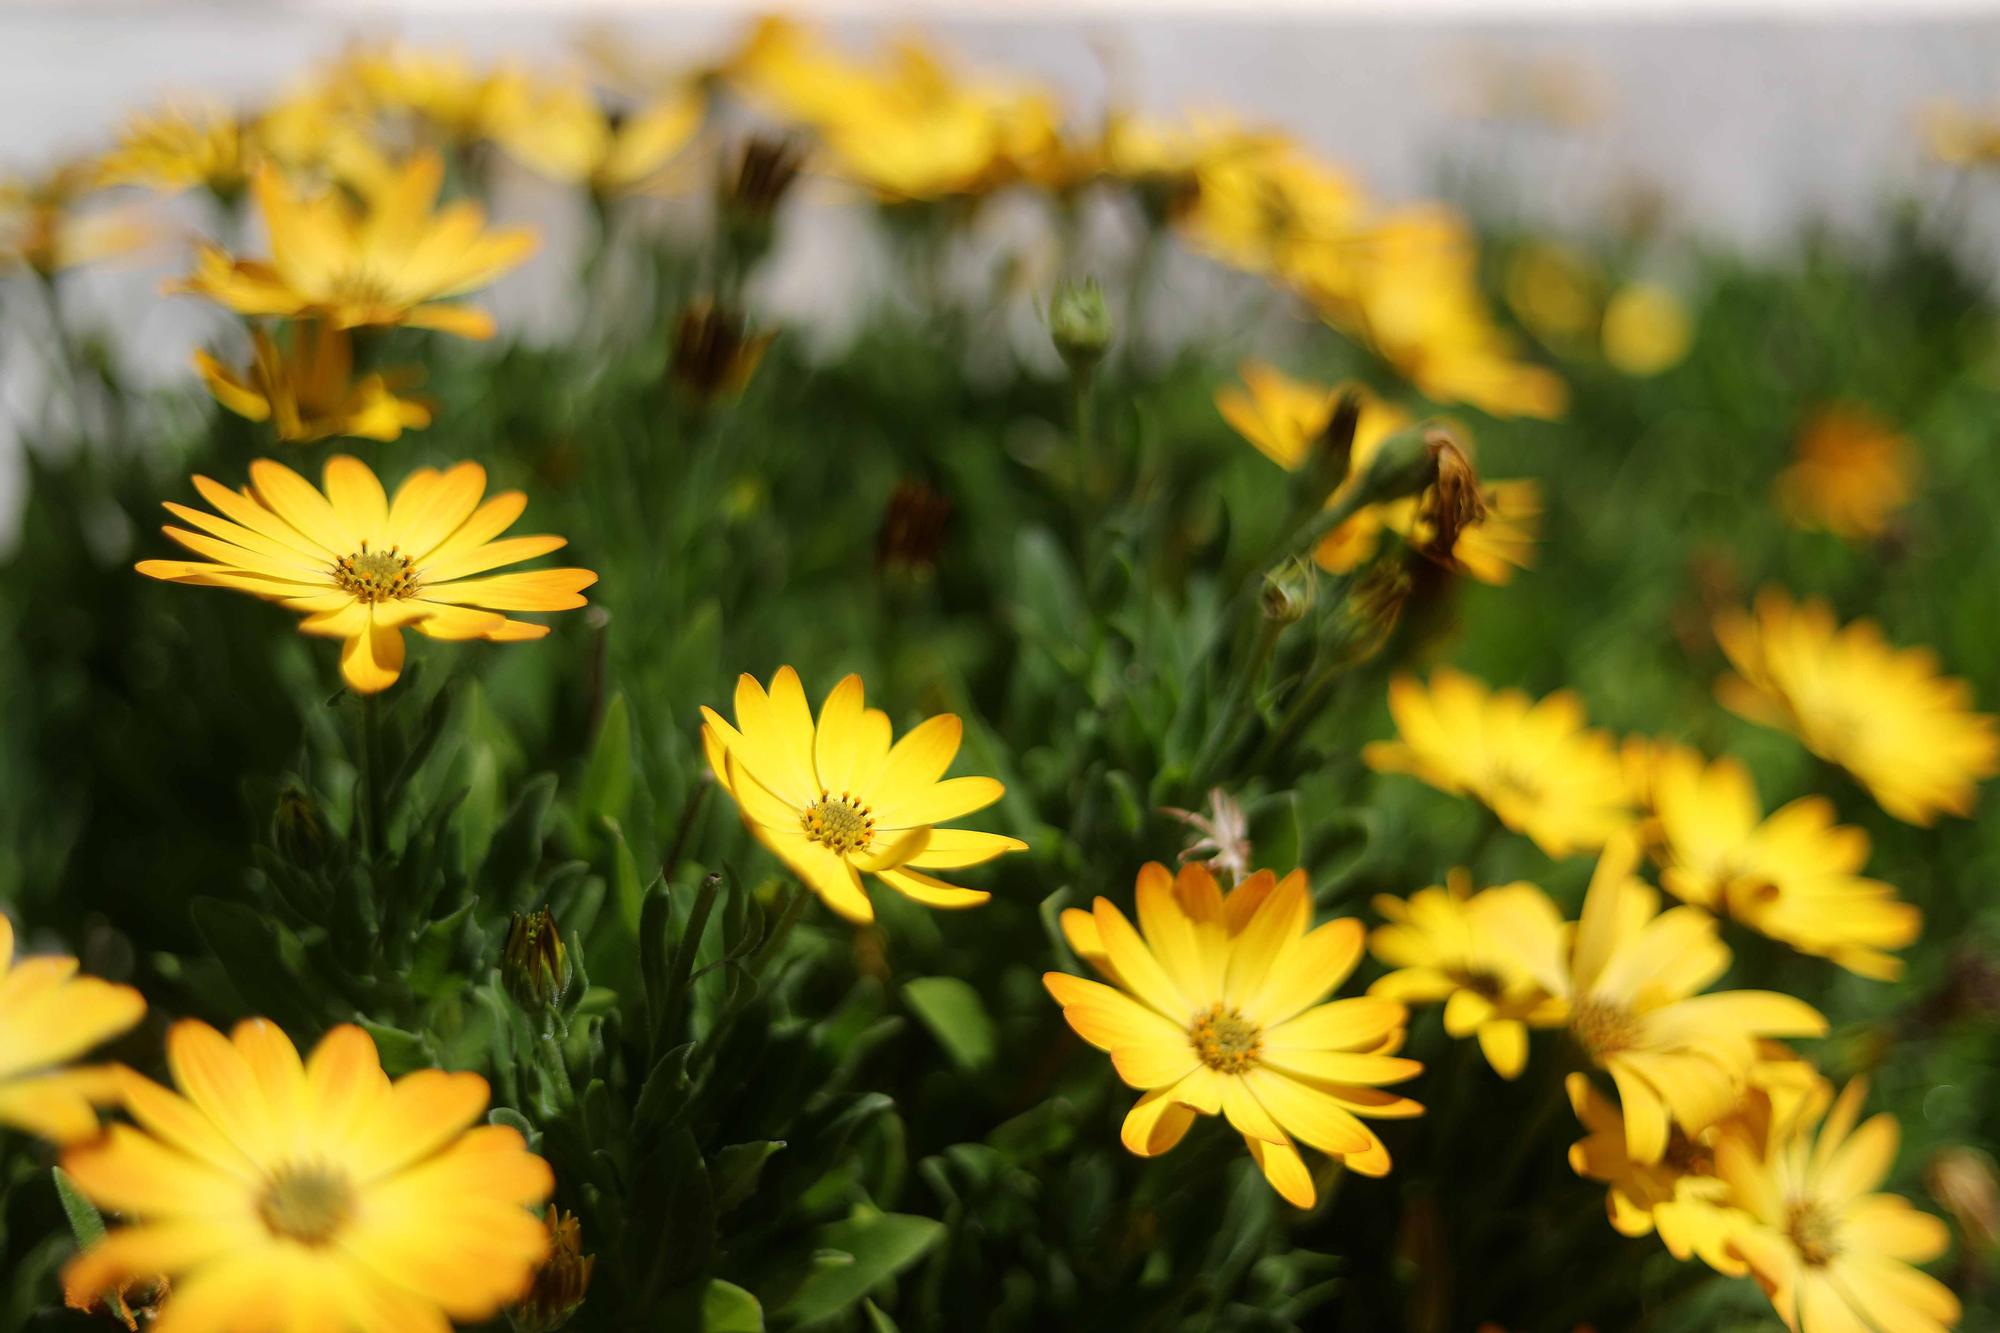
x: 361, y: 566
x: 1444, y: 951
x: 462, y: 102
x: 1556, y: 292
x: 1284, y: 417
x: 1883, y: 713
x: 1535, y: 764
x: 1832, y: 1255
x: 1646, y: 329
x: 1630, y: 978
x: 390, y: 261
x: 308, y: 392
x: 1794, y: 876
x: 43, y: 228
x: 564, y: 132
x: 277, y: 1193
x: 834, y: 799
x: 48, y: 1017
x: 1264, y: 208
x: 1407, y: 285
x: 180, y: 147
x: 1216, y: 1007
x: 1961, y: 136
x: 1853, y: 472
x: 905, y: 127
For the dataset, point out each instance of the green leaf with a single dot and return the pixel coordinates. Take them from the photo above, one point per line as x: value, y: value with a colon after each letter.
x: 736, y: 1170
x: 85, y: 1222
x: 877, y: 1321
x: 877, y: 1247
x: 434, y: 950
x: 956, y: 1016
x: 607, y: 780
x: 727, y: 1308
x: 264, y: 961
x: 402, y: 1052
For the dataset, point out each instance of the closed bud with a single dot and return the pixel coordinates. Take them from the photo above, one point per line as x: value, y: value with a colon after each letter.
x: 562, y: 1282
x: 1289, y: 591
x: 751, y: 192
x: 296, y: 829
x: 534, y: 966
x: 1332, y: 454
x: 1080, y: 324
x: 913, y: 529
x: 714, y: 352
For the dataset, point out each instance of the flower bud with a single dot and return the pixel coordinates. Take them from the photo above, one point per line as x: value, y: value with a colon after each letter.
x: 913, y: 529
x: 751, y: 193
x: 714, y: 353
x: 1403, y: 465
x: 1080, y: 324
x: 562, y: 1282
x: 534, y: 965
x: 1454, y: 502
x: 1289, y: 591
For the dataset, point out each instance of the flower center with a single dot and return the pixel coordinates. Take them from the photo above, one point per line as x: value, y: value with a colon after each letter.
x: 1225, y: 1040
x: 1814, y: 1230
x: 377, y: 576
x: 1603, y: 1028
x: 359, y: 287
x: 1504, y: 777
x: 308, y: 1204
x: 840, y: 823
x: 1477, y: 980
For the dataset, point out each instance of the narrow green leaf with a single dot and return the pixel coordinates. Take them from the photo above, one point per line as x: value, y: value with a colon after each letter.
x: 956, y: 1016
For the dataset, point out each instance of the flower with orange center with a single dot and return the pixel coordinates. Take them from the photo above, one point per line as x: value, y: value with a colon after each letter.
x: 1218, y: 1006
x: 1831, y: 1253
x: 1883, y: 713
x: 833, y: 799
x: 392, y: 258
x: 1629, y: 979
x: 361, y: 566
x: 1853, y: 472
x: 288, y: 1195
x: 48, y: 1017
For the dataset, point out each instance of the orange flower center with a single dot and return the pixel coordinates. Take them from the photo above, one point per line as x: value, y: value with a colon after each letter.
x: 308, y: 1204
x: 840, y: 823
x: 1814, y: 1230
x: 1603, y: 1028
x: 1225, y: 1040
x: 377, y: 576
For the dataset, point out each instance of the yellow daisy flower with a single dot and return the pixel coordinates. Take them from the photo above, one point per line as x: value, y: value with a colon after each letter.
x: 1444, y: 951
x: 1407, y: 285
x: 284, y: 1194
x: 1283, y: 418
x: 49, y: 1016
x: 1883, y: 713
x: 1630, y: 978
x: 1264, y: 209
x: 1533, y: 764
x: 181, y: 147
x: 564, y: 132
x: 390, y: 260
x: 461, y: 101
x: 1794, y: 876
x: 1215, y: 1007
x: 834, y: 799
x: 43, y: 228
x: 1646, y: 330
x: 1853, y: 473
x: 308, y: 390
x: 361, y: 566
x: 1832, y: 1255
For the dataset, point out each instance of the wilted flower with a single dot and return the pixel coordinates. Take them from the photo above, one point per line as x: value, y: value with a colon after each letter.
x: 534, y: 965
x: 560, y: 1284
x: 389, y: 261
x: 714, y: 353
x: 1453, y: 502
x: 1224, y: 843
x: 1080, y: 324
x: 306, y: 390
x: 360, y: 566
x: 1853, y: 472
x: 1882, y: 713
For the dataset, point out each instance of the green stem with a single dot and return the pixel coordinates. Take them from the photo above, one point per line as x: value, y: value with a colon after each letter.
x: 368, y: 805
x: 1216, y: 746
x: 1082, y: 428
x: 684, y: 951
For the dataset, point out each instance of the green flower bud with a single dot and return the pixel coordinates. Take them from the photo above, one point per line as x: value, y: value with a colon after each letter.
x: 1080, y: 324
x: 1289, y: 591
x: 534, y: 965
x: 296, y: 829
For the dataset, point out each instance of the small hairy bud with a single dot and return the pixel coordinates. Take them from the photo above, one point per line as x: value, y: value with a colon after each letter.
x: 534, y: 965
x: 1080, y: 324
